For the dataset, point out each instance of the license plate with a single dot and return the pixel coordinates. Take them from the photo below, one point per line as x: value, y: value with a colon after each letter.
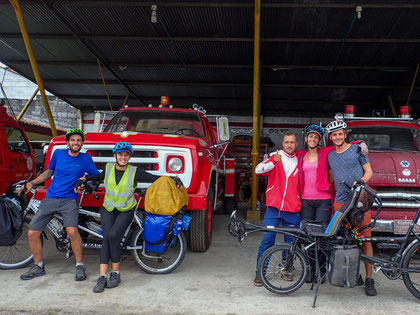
x: 401, y: 226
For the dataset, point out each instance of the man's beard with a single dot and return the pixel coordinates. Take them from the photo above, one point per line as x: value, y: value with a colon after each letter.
x: 74, y: 151
x: 341, y: 144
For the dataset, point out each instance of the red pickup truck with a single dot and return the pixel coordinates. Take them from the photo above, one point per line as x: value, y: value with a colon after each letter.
x: 394, y: 153
x: 17, y: 159
x: 170, y: 141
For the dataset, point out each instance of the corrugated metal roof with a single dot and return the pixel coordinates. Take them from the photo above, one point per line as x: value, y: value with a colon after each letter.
x: 315, y: 56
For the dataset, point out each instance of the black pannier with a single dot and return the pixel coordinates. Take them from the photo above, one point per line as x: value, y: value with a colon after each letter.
x: 11, y: 221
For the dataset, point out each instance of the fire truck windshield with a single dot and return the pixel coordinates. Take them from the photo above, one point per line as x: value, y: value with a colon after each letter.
x: 381, y: 138
x: 160, y: 122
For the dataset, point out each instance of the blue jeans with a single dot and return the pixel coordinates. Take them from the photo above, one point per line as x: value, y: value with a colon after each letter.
x: 274, y: 217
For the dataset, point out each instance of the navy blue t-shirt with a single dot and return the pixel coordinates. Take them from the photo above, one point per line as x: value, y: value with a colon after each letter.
x: 67, y: 170
x: 348, y: 167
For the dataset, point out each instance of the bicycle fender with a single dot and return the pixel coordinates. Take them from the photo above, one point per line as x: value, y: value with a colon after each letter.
x: 413, y: 243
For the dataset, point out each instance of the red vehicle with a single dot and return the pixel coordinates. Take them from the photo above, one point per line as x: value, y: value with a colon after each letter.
x: 169, y: 141
x: 394, y: 153
x: 17, y: 159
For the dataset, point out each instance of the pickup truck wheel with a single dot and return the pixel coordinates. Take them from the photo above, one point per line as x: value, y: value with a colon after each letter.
x: 200, y: 227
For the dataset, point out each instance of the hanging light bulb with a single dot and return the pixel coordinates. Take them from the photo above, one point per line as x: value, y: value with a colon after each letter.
x: 359, y: 12
x: 153, y: 18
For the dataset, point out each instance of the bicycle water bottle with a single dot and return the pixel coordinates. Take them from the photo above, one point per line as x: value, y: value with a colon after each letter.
x: 94, y: 227
x: 258, y: 205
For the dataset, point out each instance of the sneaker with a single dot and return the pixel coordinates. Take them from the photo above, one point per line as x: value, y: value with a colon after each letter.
x: 34, y: 271
x: 100, y: 285
x: 286, y: 276
x: 370, y: 287
x: 257, y: 281
x: 80, y: 273
x: 360, y: 281
x: 114, y: 280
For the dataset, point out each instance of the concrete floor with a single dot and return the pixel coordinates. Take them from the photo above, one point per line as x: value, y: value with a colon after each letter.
x: 218, y: 281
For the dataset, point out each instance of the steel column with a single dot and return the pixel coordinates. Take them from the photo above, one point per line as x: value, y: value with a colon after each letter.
x: 16, y: 6
x: 28, y: 103
x: 253, y: 215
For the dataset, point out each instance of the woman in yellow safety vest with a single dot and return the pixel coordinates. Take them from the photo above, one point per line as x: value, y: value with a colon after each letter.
x: 120, y: 181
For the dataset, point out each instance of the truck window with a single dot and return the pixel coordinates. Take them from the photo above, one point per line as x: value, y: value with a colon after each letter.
x: 160, y: 122
x: 380, y: 138
x: 16, y: 140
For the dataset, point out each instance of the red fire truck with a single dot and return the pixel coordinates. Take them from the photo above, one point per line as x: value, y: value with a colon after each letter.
x: 17, y: 159
x: 170, y: 141
x: 394, y: 153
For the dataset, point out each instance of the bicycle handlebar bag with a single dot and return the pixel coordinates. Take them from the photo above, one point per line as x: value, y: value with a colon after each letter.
x: 344, y: 265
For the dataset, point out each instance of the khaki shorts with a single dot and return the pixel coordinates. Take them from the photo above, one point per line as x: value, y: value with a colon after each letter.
x: 66, y: 208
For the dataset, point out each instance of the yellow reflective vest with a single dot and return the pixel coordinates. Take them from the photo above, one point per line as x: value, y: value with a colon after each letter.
x: 119, y: 196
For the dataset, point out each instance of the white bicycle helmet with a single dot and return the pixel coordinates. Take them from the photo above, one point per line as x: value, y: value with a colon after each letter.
x: 335, y: 125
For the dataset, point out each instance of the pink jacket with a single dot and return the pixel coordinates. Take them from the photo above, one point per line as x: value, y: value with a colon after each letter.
x: 322, y: 170
x: 283, y: 182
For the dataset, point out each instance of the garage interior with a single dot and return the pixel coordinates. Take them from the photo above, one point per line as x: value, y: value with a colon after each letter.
x: 243, y: 58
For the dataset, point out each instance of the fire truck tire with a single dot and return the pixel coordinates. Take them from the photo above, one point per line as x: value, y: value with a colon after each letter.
x: 200, y: 229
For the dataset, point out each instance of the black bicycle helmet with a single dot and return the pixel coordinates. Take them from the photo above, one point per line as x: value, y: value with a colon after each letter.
x: 315, y: 128
x: 75, y: 131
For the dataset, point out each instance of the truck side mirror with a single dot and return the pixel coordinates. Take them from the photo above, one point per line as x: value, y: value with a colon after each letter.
x: 223, y: 133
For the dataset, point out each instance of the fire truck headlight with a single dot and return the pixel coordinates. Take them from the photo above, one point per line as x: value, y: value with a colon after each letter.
x: 175, y: 164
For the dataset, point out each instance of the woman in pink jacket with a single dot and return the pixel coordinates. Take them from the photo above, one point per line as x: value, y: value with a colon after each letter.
x: 314, y: 184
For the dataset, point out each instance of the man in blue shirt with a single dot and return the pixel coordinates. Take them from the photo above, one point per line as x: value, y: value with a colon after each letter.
x: 347, y: 166
x: 67, y: 166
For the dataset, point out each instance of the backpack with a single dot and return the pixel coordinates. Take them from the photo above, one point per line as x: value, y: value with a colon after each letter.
x: 364, y: 203
x: 11, y: 221
x: 343, y: 265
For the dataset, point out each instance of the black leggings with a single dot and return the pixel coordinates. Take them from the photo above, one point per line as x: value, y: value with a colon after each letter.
x: 114, y: 225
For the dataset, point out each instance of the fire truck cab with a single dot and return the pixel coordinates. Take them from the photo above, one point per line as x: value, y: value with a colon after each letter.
x: 17, y: 159
x: 172, y: 142
x: 394, y: 153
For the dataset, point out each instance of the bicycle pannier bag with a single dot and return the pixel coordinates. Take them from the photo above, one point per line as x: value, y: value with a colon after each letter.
x: 343, y: 266
x: 157, y: 231
x: 11, y: 221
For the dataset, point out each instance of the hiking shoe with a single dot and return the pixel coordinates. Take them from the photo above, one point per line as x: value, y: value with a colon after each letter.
x: 286, y: 276
x: 34, y: 271
x: 370, y: 287
x: 257, y: 281
x: 100, y: 285
x: 360, y: 281
x: 114, y: 280
x: 80, y: 273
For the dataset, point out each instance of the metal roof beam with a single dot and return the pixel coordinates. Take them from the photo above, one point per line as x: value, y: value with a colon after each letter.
x: 116, y: 3
x: 221, y: 99
x: 214, y: 39
x: 243, y: 84
x: 228, y: 66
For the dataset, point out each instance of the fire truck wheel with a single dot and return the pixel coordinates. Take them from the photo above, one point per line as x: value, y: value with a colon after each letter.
x: 200, y: 227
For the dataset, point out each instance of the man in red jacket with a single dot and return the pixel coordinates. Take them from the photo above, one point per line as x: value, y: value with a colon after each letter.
x: 282, y: 194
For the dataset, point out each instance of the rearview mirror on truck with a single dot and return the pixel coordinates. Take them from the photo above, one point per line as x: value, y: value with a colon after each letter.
x: 223, y: 133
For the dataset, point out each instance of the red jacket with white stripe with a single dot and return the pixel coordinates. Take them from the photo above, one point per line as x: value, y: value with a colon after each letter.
x: 283, y: 182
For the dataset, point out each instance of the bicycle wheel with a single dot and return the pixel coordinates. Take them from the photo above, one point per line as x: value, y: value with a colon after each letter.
x: 282, y: 272
x: 411, y: 273
x: 158, y: 263
x: 19, y: 254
